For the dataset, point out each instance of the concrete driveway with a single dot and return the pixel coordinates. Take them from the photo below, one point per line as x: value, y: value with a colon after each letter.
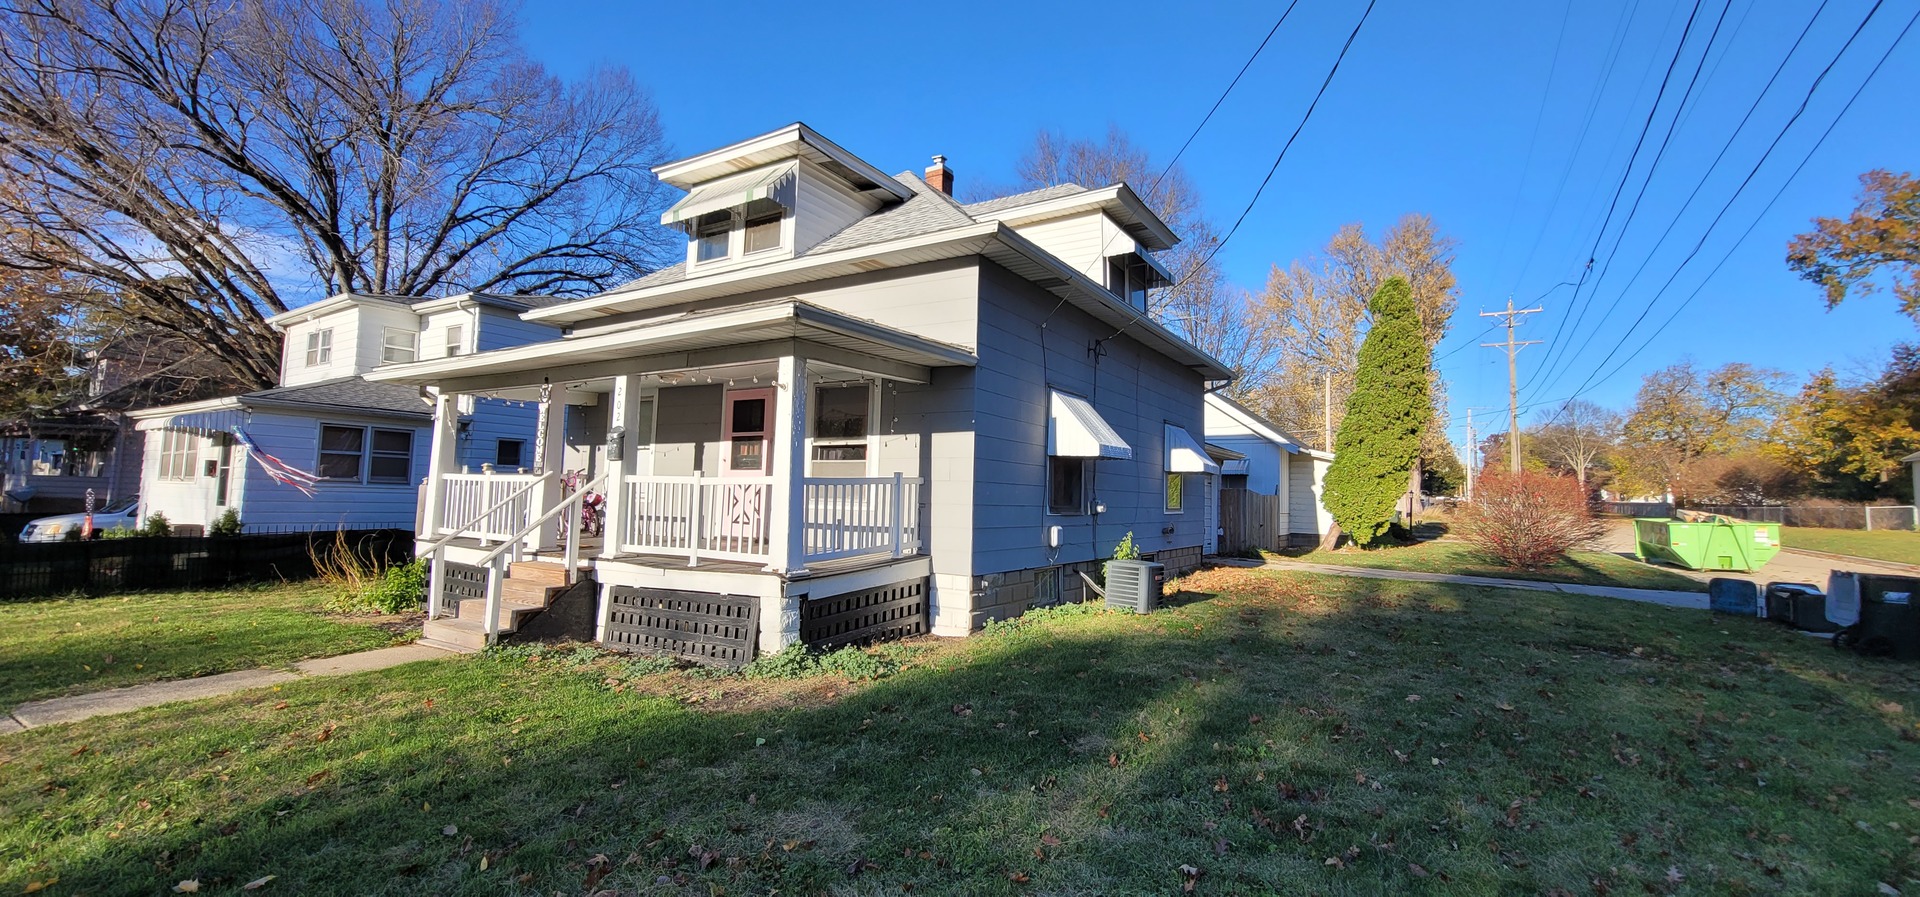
x: 1787, y: 566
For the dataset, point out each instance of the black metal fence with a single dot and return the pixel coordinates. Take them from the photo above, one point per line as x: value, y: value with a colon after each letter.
x: 34, y: 570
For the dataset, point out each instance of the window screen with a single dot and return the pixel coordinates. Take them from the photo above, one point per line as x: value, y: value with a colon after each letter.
x: 341, y: 449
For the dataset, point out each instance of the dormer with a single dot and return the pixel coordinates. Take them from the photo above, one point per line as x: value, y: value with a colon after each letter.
x: 345, y: 336
x: 1107, y: 234
x: 770, y: 198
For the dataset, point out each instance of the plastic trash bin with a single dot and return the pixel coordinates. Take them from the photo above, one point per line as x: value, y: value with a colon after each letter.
x: 1733, y: 596
x: 1843, y: 597
x: 1889, y: 626
x: 1798, y: 604
x: 1711, y: 542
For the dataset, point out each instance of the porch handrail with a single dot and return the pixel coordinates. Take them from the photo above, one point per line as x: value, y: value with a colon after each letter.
x: 497, y: 572
x: 436, y: 575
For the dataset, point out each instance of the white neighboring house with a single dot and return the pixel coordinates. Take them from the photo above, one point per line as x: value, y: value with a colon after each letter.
x: 1913, y: 461
x: 367, y: 441
x: 1275, y: 464
x: 855, y: 402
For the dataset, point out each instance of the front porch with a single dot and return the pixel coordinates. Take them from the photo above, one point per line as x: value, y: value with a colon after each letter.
x: 759, y: 470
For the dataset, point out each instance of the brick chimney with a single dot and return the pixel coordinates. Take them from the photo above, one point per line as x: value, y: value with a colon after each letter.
x: 939, y: 176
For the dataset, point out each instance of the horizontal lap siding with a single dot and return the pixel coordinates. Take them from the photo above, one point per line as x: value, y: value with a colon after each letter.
x: 296, y: 440
x: 370, y: 345
x: 686, y: 430
x: 500, y: 329
x: 824, y: 208
x: 494, y: 420
x: 346, y: 343
x: 181, y: 502
x: 1264, y: 460
x: 1137, y: 390
x: 933, y: 423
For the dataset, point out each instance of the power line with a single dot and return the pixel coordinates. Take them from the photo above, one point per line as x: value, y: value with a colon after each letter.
x: 1758, y: 218
x: 1295, y: 135
x: 1539, y: 115
x: 1791, y: 121
x: 1223, y: 96
x: 1627, y: 175
x: 1728, y: 145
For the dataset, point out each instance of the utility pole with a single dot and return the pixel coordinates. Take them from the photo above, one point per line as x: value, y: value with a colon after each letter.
x: 1472, y: 455
x: 1512, y: 316
x: 1326, y: 412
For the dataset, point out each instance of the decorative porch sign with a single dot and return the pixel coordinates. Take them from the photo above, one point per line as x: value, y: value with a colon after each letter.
x: 540, y: 429
x: 279, y: 471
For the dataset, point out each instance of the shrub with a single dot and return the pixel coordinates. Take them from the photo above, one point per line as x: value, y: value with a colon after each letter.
x: 1125, y: 551
x: 398, y: 590
x: 156, y: 525
x: 1377, y: 442
x: 227, y: 524
x: 119, y: 532
x: 1528, y: 520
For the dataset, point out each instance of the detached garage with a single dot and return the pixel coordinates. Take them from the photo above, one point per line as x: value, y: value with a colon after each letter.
x: 1279, y: 481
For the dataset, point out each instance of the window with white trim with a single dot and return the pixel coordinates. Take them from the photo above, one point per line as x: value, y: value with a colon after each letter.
x: 840, y: 415
x: 456, y: 340
x: 179, y: 455
x: 712, y: 234
x: 399, y: 345
x: 356, y: 454
x: 1176, y: 485
x: 1067, y: 484
x: 320, y: 347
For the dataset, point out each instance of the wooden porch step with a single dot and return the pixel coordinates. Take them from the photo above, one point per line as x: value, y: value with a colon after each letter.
x: 541, y: 572
x: 465, y: 636
x: 512, y: 613
x: 523, y: 592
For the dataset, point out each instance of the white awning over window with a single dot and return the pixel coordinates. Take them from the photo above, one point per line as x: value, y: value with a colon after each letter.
x: 1075, y: 430
x: 1234, y: 467
x: 775, y: 183
x: 1187, y: 455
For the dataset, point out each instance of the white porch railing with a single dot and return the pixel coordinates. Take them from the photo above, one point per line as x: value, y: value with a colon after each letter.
x: 493, y: 506
x: 730, y: 518
x: 726, y: 518
x: 858, y: 516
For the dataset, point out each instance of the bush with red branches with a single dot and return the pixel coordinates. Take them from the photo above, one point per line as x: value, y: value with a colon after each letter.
x: 1528, y: 520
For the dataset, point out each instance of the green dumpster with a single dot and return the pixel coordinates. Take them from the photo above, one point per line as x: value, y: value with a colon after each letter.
x: 1706, y: 542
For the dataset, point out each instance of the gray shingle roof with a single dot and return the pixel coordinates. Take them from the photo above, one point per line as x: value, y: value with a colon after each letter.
x: 350, y: 393
x: 927, y: 212
x: 988, y: 207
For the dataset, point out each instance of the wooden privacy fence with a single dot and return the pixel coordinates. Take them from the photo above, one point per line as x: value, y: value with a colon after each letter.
x: 1250, y: 521
x: 39, y: 569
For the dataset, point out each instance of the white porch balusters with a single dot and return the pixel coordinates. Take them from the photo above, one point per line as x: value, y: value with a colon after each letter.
x: 442, y: 459
x: 788, y: 467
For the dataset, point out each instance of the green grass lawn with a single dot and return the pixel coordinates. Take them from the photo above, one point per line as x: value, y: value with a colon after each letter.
x: 1886, y: 545
x: 1597, y: 568
x: 72, y: 645
x: 1273, y: 732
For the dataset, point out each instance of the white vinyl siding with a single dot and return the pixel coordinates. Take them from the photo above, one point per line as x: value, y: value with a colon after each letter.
x: 1084, y: 241
x: 824, y: 206
x: 320, y: 347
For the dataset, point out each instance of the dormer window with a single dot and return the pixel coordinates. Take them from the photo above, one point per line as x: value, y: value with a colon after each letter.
x: 711, y: 235
x: 735, y: 217
x: 320, y: 347
x: 1131, y: 275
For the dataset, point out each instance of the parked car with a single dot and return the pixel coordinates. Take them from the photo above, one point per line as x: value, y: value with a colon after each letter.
x: 124, y: 513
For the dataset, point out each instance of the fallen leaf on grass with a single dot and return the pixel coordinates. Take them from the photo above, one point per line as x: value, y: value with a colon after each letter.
x: 1019, y: 878
x: 450, y: 830
x: 1050, y: 839
x: 1417, y: 870
x: 258, y: 883
x: 35, y: 886
x: 597, y: 868
x: 188, y: 886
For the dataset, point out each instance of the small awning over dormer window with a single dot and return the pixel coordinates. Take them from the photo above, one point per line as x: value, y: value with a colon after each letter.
x: 775, y: 183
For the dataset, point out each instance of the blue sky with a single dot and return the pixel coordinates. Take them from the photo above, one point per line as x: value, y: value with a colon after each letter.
x: 1438, y: 109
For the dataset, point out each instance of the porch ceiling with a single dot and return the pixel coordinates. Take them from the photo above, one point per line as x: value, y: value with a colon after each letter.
x: 673, y: 341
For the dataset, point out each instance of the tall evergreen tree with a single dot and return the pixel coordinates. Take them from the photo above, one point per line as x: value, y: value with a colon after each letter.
x: 1378, y: 440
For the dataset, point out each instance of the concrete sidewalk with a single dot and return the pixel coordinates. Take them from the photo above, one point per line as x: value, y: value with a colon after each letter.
x: 35, y: 714
x: 1666, y: 598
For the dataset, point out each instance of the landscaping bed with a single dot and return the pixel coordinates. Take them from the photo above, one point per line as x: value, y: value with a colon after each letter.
x: 1269, y: 732
x: 63, y: 646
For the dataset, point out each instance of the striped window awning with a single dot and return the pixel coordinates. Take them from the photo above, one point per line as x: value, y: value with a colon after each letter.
x: 775, y: 183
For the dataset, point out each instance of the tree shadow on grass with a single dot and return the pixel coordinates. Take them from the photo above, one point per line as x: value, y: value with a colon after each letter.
x: 1260, y: 726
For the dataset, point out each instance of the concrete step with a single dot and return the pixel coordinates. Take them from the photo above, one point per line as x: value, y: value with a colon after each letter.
x: 454, y: 635
x: 542, y: 572
x: 512, y: 613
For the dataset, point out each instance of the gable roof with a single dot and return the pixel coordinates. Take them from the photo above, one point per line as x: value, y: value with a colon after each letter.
x: 344, y: 395
x: 990, y: 206
x: 1262, y: 427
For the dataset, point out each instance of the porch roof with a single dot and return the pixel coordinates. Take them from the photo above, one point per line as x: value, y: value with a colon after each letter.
x: 760, y: 322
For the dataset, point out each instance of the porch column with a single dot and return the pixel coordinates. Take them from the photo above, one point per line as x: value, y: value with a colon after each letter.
x: 622, y: 417
x: 552, y: 447
x: 788, y: 467
x: 442, y: 459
